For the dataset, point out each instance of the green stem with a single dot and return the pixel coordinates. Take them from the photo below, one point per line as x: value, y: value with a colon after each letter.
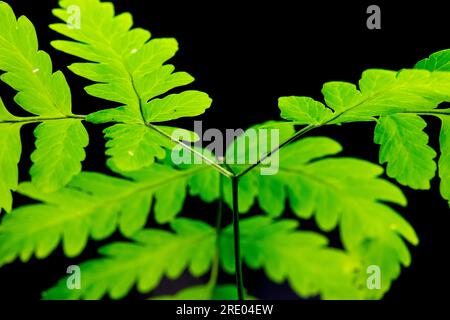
x: 26, y: 120
x: 237, y: 244
x: 430, y: 112
x: 216, y: 166
x: 434, y: 112
x: 268, y: 155
x: 216, y: 263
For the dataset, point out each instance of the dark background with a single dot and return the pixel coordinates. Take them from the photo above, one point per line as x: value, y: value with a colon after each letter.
x: 245, y: 57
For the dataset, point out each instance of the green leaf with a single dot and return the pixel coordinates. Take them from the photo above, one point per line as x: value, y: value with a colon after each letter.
x: 133, y: 146
x: 404, y: 146
x: 59, y: 153
x: 397, y: 99
x: 153, y: 255
x: 444, y: 159
x: 382, y: 92
x: 61, y: 137
x: 92, y: 205
x: 28, y: 70
x: 438, y: 61
x: 4, y: 113
x: 344, y: 192
x: 300, y: 257
x: 9, y: 158
x: 129, y: 69
x: 341, y: 96
x: 174, y: 106
x: 303, y: 110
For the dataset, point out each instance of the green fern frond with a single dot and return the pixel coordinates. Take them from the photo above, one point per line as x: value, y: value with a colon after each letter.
x: 153, y: 255
x: 440, y: 61
x: 300, y: 257
x: 10, y: 151
x: 404, y: 146
x: 94, y: 205
x: 60, y: 138
x: 396, y: 100
x: 129, y: 69
x: 337, y: 191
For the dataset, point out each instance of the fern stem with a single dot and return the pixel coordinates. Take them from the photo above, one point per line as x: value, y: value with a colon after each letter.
x: 237, y: 244
x: 430, y: 112
x: 285, y: 143
x: 216, y: 263
x: 208, y: 161
x: 41, y: 119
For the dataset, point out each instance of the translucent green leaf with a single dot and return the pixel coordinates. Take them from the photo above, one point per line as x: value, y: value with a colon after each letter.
x: 341, y: 96
x: 404, y: 146
x: 59, y: 153
x: 92, y: 205
x: 302, y: 258
x: 438, y: 61
x: 61, y: 137
x: 344, y: 192
x: 134, y: 146
x: 444, y: 159
x: 128, y: 68
x: 28, y: 70
x: 5, y: 115
x: 10, y: 151
x: 303, y: 110
x: 153, y: 255
x: 186, y: 104
x: 383, y: 92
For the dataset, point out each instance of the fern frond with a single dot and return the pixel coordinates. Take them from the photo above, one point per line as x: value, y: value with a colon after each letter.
x: 95, y: 205
x: 404, y: 147
x: 440, y: 61
x: 153, y: 255
x: 337, y: 191
x: 129, y: 69
x: 444, y: 159
x: 61, y: 138
x: 10, y: 151
x: 396, y: 100
x: 300, y: 257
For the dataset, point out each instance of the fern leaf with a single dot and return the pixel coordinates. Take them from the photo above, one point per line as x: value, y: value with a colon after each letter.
x: 381, y: 92
x: 129, y: 69
x: 392, y: 97
x: 303, y: 110
x: 404, y: 146
x: 444, y: 159
x: 300, y: 257
x: 176, y: 106
x: 153, y: 255
x: 44, y: 94
x: 133, y: 146
x: 438, y: 61
x: 28, y: 70
x: 9, y: 158
x: 337, y: 191
x: 92, y: 205
x: 56, y: 163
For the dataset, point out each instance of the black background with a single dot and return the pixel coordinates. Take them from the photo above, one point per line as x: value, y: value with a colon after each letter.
x: 246, y: 56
